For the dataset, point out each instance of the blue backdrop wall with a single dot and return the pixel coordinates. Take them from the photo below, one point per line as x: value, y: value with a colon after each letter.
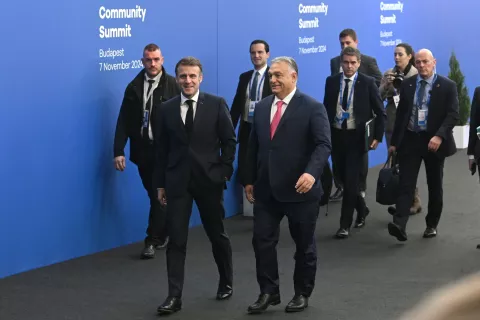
x: 60, y: 197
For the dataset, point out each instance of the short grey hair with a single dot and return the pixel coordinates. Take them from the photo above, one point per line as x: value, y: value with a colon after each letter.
x: 349, y: 51
x: 288, y: 60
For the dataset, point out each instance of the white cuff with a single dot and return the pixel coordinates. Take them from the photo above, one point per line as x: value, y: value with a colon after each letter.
x: 471, y: 157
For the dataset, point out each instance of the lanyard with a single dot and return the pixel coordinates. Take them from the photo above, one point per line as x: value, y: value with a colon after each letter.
x: 417, y: 92
x: 259, y: 86
x: 349, y: 101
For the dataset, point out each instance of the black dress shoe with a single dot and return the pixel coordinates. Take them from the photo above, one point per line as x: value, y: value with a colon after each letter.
x: 148, y: 252
x: 342, y: 233
x: 224, y: 292
x: 164, y: 244
x: 362, y: 213
x: 171, y: 305
x: 430, y: 232
x: 338, y: 195
x: 395, y: 231
x: 264, y: 300
x: 298, y: 303
x: 360, y: 223
x: 392, y: 210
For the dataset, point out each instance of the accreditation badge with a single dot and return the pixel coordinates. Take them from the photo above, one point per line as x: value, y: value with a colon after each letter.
x: 396, y: 100
x: 422, y: 118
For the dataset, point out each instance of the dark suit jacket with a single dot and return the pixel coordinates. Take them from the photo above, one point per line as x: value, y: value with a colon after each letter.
x: 237, y: 112
x: 442, y: 113
x: 473, y: 141
x: 301, y: 145
x: 178, y: 159
x: 129, y: 122
x: 367, y: 103
x: 368, y: 66
x: 239, y: 101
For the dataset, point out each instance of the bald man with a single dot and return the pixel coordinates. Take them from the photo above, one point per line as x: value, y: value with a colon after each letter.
x: 143, y: 95
x: 426, y: 115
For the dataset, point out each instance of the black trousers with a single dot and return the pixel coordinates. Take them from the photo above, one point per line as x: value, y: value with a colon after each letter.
x: 302, y: 218
x: 349, y: 159
x: 179, y: 209
x: 156, y: 230
x: 243, y: 138
x: 415, y: 149
x: 363, y: 174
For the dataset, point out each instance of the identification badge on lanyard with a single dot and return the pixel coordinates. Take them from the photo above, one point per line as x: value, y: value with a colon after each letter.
x: 345, y: 115
x: 396, y: 100
x: 251, y: 108
x: 145, y: 119
x: 422, y: 117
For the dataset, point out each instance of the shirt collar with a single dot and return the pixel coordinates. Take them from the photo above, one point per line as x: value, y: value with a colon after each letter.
x: 194, y: 98
x: 261, y: 71
x: 351, y: 78
x: 429, y: 80
x: 156, y: 78
x: 287, y: 99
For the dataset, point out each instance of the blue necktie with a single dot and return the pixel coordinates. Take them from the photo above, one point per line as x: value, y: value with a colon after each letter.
x: 419, y: 104
x: 253, y: 90
x: 345, y: 102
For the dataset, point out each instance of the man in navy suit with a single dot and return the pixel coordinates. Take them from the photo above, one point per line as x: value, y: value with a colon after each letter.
x: 288, y: 149
x: 352, y: 99
x: 195, y: 149
x: 426, y: 115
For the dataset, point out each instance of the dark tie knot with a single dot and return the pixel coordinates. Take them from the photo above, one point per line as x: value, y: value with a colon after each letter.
x: 189, y: 102
x: 347, y: 81
x: 151, y: 81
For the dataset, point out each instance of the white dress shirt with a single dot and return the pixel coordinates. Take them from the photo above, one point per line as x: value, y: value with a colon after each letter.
x: 145, y: 99
x: 184, y: 105
x: 286, y: 101
x: 351, y: 118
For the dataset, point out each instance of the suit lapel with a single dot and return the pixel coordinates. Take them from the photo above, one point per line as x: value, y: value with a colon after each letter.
x: 200, y: 111
x: 266, y: 91
x: 265, y: 120
x: 357, y: 93
x: 138, y: 89
x: 178, y: 117
x: 433, y: 96
x: 412, y: 87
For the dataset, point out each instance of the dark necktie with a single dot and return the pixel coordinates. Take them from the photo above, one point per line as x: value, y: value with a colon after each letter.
x: 189, y: 118
x: 148, y: 110
x: 419, y: 105
x: 253, y: 90
x: 345, y: 102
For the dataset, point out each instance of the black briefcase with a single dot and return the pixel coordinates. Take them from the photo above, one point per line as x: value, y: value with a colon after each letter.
x: 388, y: 183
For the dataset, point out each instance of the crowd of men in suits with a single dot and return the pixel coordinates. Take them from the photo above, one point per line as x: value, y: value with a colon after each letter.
x: 183, y: 142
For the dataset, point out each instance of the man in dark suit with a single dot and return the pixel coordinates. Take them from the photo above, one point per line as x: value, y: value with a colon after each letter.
x: 352, y: 99
x: 142, y: 97
x: 473, y: 150
x: 195, y: 151
x: 288, y: 148
x: 369, y: 67
x: 252, y: 87
x: 426, y: 115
